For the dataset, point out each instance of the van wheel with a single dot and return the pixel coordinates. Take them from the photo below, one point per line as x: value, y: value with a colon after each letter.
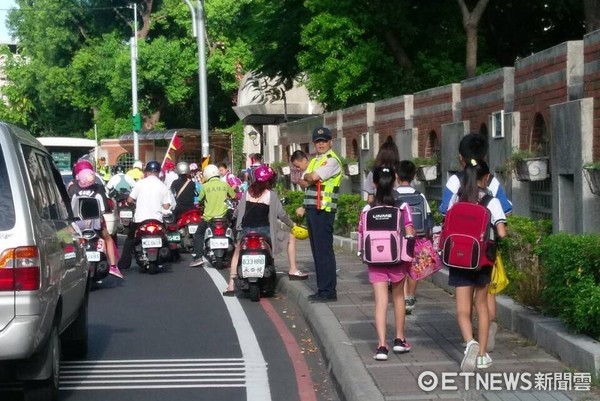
x: 75, y: 343
x: 46, y: 390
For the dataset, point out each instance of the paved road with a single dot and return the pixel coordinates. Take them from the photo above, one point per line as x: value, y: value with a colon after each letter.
x: 173, y: 336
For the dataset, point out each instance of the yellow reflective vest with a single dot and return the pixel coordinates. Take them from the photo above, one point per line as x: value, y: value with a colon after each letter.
x: 325, y: 197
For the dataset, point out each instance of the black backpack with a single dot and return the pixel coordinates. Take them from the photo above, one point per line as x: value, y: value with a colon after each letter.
x: 418, y: 207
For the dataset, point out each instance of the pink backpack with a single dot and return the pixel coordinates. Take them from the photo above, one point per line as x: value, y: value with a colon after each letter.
x: 382, y: 240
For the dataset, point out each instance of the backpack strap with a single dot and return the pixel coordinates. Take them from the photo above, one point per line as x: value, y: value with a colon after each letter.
x: 184, y: 186
x: 486, y: 200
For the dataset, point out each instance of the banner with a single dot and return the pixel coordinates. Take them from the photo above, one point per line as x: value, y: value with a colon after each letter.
x: 173, y: 146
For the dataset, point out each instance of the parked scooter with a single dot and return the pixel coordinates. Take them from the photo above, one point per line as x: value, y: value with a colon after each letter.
x: 218, y: 242
x: 95, y: 249
x: 188, y: 225
x: 256, y: 268
x: 151, y: 246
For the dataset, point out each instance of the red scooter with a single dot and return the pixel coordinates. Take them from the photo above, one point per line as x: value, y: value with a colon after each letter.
x: 187, y: 226
x: 151, y: 246
x: 256, y: 268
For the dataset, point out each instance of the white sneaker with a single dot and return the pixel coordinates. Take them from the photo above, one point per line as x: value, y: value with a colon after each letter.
x: 491, y: 342
x: 484, y: 362
x: 470, y: 359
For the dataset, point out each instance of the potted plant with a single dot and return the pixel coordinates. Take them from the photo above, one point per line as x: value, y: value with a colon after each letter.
x: 282, y: 167
x: 427, y: 168
x: 591, y: 171
x: 351, y: 166
x: 529, y: 166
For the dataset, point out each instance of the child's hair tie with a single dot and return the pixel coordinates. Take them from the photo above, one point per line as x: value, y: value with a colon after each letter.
x: 473, y: 162
x: 385, y: 170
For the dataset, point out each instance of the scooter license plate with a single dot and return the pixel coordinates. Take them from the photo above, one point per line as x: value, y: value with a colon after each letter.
x: 151, y: 242
x: 192, y: 229
x: 253, y: 266
x: 219, y: 243
x: 93, y: 256
x: 173, y: 237
x: 126, y: 214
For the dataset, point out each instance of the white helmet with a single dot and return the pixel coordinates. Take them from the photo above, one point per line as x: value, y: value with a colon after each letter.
x: 183, y: 168
x: 138, y: 164
x: 211, y: 171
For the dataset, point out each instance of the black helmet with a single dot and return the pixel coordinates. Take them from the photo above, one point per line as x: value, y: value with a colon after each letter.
x: 152, y: 167
x: 119, y: 169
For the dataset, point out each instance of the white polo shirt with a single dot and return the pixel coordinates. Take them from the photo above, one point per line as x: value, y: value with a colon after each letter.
x: 150, y: 194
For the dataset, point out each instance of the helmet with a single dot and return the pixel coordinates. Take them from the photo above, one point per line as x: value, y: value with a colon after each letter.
x: 82, y: 164
x: 119, y: 169
x: 263, y: 173
x: 86, y: 178
x: 138, y: 164
x: 193, y: 167
x: 152, y: 166
x: 211, y: 171
x: 300, y: 232
x: 183, y: 168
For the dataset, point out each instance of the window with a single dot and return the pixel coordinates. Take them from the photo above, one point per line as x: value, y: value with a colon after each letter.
x: 7, y: 217
x: 191, y: 157
x: 125, y: 160
x: 498, y: 124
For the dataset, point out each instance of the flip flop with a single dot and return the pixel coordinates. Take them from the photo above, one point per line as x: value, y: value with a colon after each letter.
x: 229, y: 293
x: 297, y: 276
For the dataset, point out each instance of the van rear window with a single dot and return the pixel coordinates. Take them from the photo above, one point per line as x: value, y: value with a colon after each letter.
x: 7, y: 206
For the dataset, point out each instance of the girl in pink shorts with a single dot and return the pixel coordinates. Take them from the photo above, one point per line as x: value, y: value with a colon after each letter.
x: 384, y: 180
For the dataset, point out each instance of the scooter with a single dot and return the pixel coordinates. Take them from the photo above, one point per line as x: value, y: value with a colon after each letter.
x: 124, y: 211
x: 188, y: 225
x: 151, y: 246
x: 256, y: 268
x: 95, y: 249
x: 218, y: 242
x: 173, y: 236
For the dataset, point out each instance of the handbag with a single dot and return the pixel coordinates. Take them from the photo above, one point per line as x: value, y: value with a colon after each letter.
x: 499, y: 280
x: 426, y: 260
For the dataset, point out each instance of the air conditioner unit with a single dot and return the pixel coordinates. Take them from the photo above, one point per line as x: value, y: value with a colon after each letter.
x: 498, y: 124
x: 364, y: 141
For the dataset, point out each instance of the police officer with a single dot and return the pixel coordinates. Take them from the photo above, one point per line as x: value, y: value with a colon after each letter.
x: 322, y: 182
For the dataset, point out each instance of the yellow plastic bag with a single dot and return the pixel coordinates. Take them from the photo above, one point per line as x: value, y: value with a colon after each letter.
x: 499, y: 279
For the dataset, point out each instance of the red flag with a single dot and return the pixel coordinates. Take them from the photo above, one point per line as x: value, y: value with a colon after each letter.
x: 175, y: 143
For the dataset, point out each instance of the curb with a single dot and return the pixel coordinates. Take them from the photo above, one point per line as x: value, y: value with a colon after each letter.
x: 347, y: 369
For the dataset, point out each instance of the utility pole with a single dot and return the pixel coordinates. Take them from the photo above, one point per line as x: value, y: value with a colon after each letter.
x: 199, y: 31
x: 136, y: 119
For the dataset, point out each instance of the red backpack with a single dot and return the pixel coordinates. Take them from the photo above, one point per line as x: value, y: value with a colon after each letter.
x: 465, y: 240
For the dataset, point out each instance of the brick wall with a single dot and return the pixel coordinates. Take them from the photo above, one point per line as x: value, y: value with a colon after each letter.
x: 541, y: 80
x: 591, y: 56
x: 432, y: 108
x: 393, y: 114
x: 485, y: 94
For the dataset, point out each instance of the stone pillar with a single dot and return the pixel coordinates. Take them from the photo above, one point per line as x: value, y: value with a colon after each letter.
x: 451, y: 135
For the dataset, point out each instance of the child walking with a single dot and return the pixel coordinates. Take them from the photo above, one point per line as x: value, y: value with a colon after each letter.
x: 473, y: 189
x: 384, y: 180
x: 406, y: 171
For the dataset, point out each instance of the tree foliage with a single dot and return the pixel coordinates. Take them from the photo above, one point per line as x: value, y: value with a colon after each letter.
x: 78, y: 68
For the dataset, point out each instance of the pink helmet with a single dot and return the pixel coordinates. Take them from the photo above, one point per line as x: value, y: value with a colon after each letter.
x: 86, y: 178
x: 193, y: 167
x: 263, y: 173
x: 81, y: 165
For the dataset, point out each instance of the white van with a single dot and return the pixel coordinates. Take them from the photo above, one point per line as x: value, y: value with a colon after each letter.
x: 43, y: 268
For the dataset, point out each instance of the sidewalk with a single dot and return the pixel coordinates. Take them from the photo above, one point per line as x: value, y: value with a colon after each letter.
x: 346, y: 335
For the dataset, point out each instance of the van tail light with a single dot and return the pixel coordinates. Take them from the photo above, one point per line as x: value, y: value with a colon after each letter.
x: 20, y: 269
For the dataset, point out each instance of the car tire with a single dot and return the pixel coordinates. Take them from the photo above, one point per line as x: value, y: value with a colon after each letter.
x: 46, y: 390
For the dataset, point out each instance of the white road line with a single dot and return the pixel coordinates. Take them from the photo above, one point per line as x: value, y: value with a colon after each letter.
x: 146, y: 387
x: 257, y: 382
x: 148, y: 361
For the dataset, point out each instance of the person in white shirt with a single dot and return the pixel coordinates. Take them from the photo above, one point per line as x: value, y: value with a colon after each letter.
x: 170, y: 174
x: 152, y: 199
x: 120, y: 183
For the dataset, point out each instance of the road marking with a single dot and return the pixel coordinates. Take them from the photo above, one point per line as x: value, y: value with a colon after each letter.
x: 257, y: 379
x: 157, y: 374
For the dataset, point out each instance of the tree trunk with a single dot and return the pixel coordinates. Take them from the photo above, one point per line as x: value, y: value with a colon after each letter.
x: 397, y: 50
x: 146, y: 12
x: 591, y: 9
x: 471, y: 23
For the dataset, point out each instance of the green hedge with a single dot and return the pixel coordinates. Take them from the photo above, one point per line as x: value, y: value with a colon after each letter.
x: 572, y: 280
